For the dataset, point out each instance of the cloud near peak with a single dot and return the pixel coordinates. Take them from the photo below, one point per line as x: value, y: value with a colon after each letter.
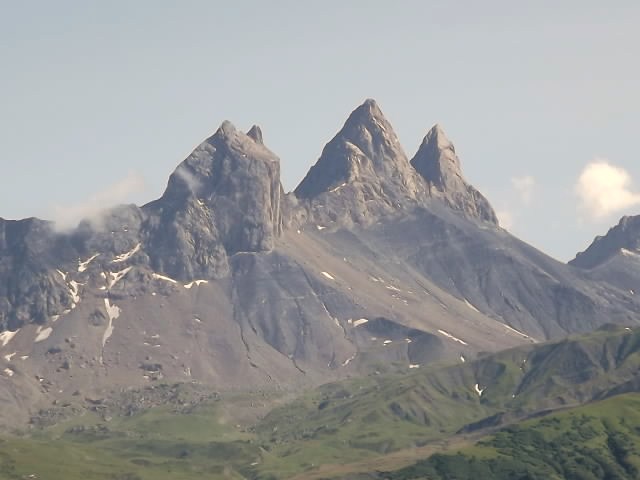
x: 67, y: 217
x: 603, y: 189
x: 524, y: 187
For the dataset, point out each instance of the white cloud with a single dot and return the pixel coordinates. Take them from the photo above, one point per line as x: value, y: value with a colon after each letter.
x: 67, y: 217
x: 505, y: 219
x: 192, y: 182
x: 603, y: 189
x: 524, y: 186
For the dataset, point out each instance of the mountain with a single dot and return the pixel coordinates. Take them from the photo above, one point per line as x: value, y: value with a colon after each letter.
x: 225, y: 280
x: 615, y: 257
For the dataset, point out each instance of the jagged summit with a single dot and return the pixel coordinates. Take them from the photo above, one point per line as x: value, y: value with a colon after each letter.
x: 624, y: 238
x: 206, y: 170
x: 368, y: 115
x: 222, y: 199
x: 436, y: 161
x: 365, y: 154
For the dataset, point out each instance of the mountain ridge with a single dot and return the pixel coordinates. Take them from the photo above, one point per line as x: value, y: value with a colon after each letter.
x: 227, y: 280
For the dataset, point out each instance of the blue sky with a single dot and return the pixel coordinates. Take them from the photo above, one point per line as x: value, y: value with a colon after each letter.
x: 101, y: 100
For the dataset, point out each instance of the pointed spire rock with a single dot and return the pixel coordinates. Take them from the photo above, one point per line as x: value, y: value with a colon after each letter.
x: 366, y: 155
x: 436, y: 161
x: 256, y: 134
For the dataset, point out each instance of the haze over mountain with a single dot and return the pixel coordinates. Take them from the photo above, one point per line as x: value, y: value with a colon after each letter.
x: 228, y: 281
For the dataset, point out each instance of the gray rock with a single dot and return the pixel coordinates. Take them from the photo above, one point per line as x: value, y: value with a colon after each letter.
x: 625, y: 235
x: 31, y: 290
x: 362, y: 173
x: 437, y: 162
x: 615, y: 257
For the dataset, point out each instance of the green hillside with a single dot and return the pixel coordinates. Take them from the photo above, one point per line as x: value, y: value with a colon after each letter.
x: 594, y: 442
x: 388, y: 421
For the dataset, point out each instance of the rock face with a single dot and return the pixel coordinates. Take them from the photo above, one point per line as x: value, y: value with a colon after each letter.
x: 615, y: 257
x: 223, y: 199
x: 438, y: 164
x: 625, y: 235
x: 362, y: 173
x: 30, y: 288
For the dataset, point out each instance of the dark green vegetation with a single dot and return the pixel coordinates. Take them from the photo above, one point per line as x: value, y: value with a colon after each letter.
x: 378, y: 417
x: 595, y: 442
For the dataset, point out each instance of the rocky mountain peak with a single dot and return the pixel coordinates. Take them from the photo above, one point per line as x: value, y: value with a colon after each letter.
x: 367, y: 156
x: 222, y: 199
x: 437, y: 162
x: 622, y: 238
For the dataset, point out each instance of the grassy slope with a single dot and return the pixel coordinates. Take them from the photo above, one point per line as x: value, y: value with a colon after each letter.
x: 157, y: 444
x: 358, y: 420
x: 368, y: 417
x: 594, y: 442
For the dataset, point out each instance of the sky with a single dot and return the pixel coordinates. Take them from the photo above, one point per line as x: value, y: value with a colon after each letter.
x: 100, y: 101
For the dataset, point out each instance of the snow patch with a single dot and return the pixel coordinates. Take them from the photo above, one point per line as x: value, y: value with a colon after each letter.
x: 73, y: 290
x: 479, y: 390
x: 338, y: 187
x: 320, y: 227
x: 24, y: 357
x: 328, y: 275
x: 516, y: 331
x: 197, y: 283
x: 126, y: 256
x: 387, y: 342
x: 462, y: 359
x: 628, y: 253
x: 349, y: 360
x: 455, y: 339
x: 391, y: 287
x: 6, y: 336
x: 62, y: 274
x: 157, y: 276
x: 82, y: 266
x: 9, y: 357
x: 414, y: 365
x: 42, y: 334
x: 113, y: 312
x: 9, y: 372
x: 468, y: 304
x: 360, y: 321
x: 117, y: 276
x: 55, y: 318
